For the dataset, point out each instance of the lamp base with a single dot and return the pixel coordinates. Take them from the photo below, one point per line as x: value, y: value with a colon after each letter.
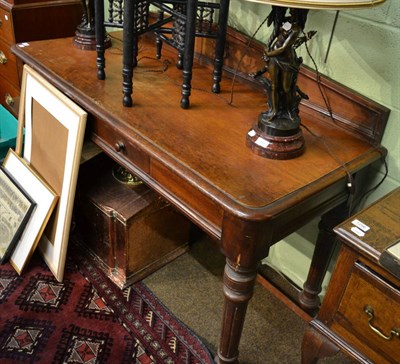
x: 86, y: 40
x: 276, y: 141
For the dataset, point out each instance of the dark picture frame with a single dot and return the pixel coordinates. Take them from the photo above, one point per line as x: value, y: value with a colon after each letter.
x: 45, y: 198
x: 16, y: 207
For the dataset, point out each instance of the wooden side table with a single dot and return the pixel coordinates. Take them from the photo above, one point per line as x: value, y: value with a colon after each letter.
x: 360, y: 314
x: 197, y: 159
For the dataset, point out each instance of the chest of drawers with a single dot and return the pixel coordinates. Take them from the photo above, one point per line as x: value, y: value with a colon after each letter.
x: 28, y: 20
x: 360, y: 314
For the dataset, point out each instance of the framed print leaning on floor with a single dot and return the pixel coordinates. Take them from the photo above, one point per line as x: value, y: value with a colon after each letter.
x: 16, y: 207
x: 45, y: 199
x: 54, y: 133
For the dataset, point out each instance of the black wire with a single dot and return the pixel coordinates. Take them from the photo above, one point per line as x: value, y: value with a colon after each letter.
x: 242, y: 57
x: 351, y: 185
x: 319, y: 83
x: 374, y: 188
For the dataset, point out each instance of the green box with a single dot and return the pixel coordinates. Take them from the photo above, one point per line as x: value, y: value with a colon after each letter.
x: 8, y: 131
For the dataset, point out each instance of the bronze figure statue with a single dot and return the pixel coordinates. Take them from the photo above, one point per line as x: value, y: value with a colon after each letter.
x: 277, y: 133
x: 282, y: 64
x: 87, y: 21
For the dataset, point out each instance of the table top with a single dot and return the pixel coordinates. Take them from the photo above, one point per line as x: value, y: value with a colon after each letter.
x: 202, y: 150
x: 375, y: 228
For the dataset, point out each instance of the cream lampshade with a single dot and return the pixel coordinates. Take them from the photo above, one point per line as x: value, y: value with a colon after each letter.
x: 277, y: 133
x: 321, y: 4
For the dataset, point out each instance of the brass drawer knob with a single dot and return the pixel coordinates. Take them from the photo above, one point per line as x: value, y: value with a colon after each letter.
x: 3, y: 58
x: 394, y: 332
x: 9, y: 100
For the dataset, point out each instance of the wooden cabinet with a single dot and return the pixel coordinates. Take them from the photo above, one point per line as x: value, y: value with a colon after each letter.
x: 28, y: 20
x: 130, y: 231
x: 361, y: 311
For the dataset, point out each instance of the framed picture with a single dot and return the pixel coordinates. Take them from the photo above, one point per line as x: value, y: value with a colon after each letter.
x: 16, y: 207
x: 54, y: 134
x: 45, y: 199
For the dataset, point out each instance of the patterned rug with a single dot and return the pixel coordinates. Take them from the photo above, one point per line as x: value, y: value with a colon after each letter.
x: 87, y: 319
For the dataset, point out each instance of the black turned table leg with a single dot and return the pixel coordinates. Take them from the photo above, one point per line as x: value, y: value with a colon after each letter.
x: 238, y: 290
x: 128, y: 52
x: 324, y: 248
x: 220, y: 45
x: 179, y: 63
x: 159, y: 43
x: 188, y: 55
x: 100, y: 38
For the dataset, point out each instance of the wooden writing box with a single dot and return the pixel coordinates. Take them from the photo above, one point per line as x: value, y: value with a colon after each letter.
x: 130, y: 231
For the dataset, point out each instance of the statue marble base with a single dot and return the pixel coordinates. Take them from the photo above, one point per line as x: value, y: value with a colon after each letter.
x: 276, y: 140
x: 87, y: 40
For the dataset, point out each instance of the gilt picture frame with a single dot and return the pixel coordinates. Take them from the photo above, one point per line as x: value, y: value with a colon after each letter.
x: 54, y: 129
x: 16, y: 207
x: 45, y: 200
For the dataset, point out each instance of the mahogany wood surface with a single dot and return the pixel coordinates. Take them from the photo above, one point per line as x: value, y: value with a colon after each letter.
x: 198, y: 159
x: 46, y: 20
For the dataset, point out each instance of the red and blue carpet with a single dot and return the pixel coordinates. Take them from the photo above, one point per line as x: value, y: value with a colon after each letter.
x: 86, y: 319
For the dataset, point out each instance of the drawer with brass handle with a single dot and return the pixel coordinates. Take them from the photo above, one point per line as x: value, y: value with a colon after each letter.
x: 360, y: 313
x: 6, y: 29
x: 370, y: 311
x: 9, y: 96
x: 8, y: 64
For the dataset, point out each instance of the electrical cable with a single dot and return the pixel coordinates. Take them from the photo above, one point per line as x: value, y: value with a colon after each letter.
x: 242, y: 57
x: 351, y: 185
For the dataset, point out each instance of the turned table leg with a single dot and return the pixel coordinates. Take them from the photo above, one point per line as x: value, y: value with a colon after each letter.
x: 220, y: 45
x: 238, y: 289
x: 100, y: 34
x: 190, y: 34
x: 324, y: 247
x: 315, y: 347
x: 128, y: 52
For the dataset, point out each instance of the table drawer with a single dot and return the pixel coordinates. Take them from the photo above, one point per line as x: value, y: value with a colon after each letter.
x: 8, y: 64
x: 367, y: 291
x: 6, y: 28
x: 118, y: 145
